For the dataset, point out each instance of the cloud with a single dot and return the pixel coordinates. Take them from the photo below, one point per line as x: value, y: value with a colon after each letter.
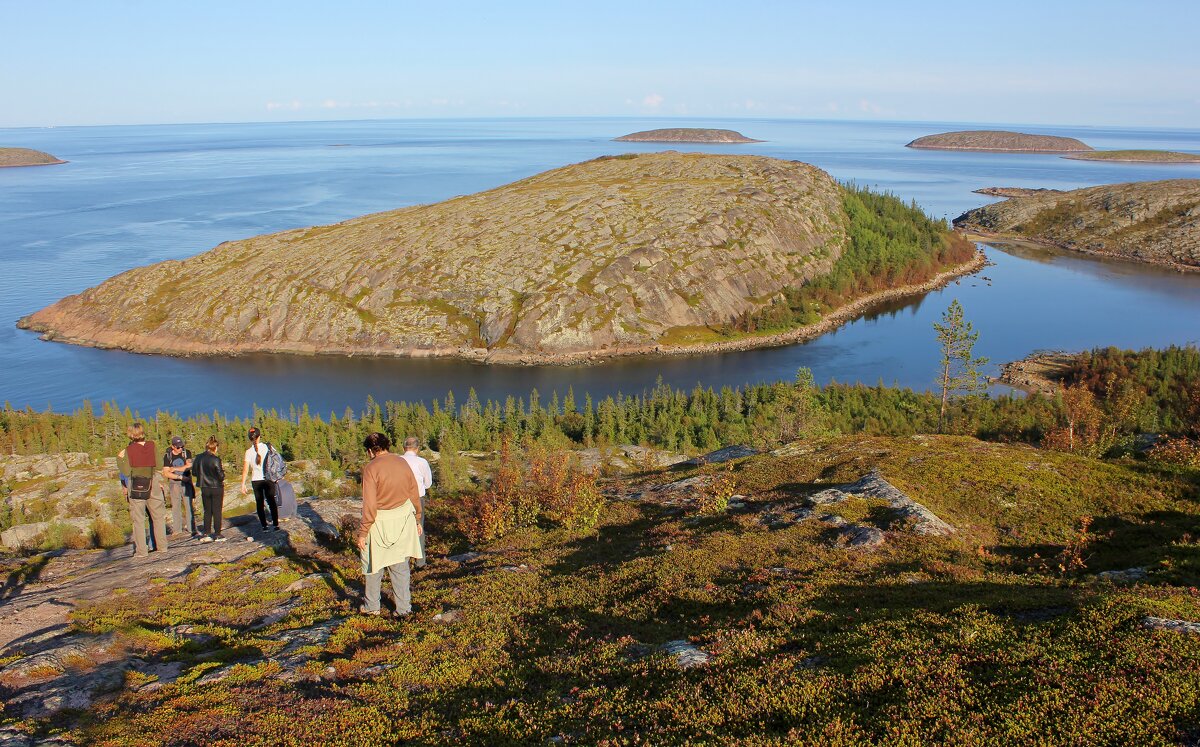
x: 653, y: 100
x: 293, y: 105
x: 869, y: 107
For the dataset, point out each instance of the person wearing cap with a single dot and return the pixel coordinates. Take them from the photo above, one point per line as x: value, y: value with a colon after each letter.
x: 177, y: 464
x: 264, y: 489
x: 390, y: 531
x: 424, y: 475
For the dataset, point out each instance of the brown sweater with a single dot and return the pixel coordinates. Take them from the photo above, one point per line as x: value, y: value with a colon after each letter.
x: 388, y: 482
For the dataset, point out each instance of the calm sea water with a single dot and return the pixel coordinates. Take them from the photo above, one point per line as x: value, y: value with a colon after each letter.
x: 134, y: 195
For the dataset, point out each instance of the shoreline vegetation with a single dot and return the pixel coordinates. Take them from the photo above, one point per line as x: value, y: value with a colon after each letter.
x: 686, y: 135
x: 997, y: 237
x: 761, y: 253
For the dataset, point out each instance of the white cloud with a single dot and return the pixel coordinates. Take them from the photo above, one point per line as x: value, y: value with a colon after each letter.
x: 653, y: 100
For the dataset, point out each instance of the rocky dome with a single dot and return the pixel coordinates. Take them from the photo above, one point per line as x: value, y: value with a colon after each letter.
x: 604, y: 254
x: 999, y: 140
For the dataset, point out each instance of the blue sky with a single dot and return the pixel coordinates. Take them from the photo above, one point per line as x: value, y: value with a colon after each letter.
x: 86, y: 62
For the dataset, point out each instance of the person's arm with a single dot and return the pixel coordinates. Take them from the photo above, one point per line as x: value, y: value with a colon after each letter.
x: 245, y: 471
x: 370, y: 506
x: 428, y: 475
x: 122, y: 471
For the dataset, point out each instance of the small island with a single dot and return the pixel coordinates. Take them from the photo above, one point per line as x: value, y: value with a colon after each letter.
x: 11, y: 157
x: 1152, y: 222
x: 999, y: 141
x: 686, y: 135
x: 1137, y: 156
x: 1014, y: 191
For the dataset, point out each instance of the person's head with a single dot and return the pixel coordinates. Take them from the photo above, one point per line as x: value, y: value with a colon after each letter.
x: 411, y: 443
x: 136, y: 431
x: 213, y: 444
x: 376, y: 442
x: 176, y: 445
x: 254, y: 435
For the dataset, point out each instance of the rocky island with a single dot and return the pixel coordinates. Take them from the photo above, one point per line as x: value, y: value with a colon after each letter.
x: 613, y: 256
x: 686, y: 135
x: 1137, y: 156
x: 1014, y: 191
x: 999, y: 141
x: 1156, y: 222
x: 26, y: 157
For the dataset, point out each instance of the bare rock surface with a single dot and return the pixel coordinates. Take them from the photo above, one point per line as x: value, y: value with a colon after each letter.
x: 1014, y: 191
x: 1155, y: 222
x: 38, y: 606
x: 726, y: 454
x: 999, y: 140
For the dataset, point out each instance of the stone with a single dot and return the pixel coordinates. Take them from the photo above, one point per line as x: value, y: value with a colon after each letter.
x: 466, y: 557
x: 924, y: 521
x: 1176, y: 626
x: 862, y: 537
x: 1129, y: 575
x: 685, y: 653
x: 720, y: 456
x: 449, y: 616
x: 827, y: 497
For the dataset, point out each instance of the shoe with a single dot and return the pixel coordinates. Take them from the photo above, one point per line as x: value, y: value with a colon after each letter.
x: 141, y: 555
x: 249, y: 537
x: 377, y: 613
x: 206, y: 539
x: 275, y: 528
x: 219, y: 538
x: 196, y: 535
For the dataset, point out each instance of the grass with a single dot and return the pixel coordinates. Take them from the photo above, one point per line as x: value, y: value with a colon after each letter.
x: 975, y: 638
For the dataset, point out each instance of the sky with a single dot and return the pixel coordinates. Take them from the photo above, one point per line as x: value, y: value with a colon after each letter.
x: 94, y: 62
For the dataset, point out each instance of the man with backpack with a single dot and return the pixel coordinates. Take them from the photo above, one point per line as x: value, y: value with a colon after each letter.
x: 136, y: 461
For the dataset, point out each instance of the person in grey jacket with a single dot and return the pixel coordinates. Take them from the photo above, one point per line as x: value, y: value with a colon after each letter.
x: 210, y: 478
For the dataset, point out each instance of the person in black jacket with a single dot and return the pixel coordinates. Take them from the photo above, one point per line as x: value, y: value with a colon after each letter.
x: 210, y: 478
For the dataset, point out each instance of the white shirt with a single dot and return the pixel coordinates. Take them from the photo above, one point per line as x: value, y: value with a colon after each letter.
x: 256, y: 470
x: 420, y: 468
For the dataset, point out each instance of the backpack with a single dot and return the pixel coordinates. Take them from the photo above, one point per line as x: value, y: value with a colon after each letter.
x: 274, y: 468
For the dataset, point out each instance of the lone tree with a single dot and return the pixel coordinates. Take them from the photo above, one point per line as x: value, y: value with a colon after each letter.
x: 959, y: 371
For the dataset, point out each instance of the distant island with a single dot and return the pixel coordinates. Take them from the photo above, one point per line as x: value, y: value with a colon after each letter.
x: 1014, y: 191
x: 686, y: 135
x: 26, y: 157
x: 1153, y: 222
x: 623, y: 255
x: 1137, y: 156
x: 1000, y: 141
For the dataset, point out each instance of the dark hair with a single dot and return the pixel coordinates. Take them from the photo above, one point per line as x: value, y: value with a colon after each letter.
x: 253, y: 435
x: 377, y: 442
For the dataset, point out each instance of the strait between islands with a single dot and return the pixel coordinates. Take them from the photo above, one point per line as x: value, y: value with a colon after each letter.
x: 624, y: 255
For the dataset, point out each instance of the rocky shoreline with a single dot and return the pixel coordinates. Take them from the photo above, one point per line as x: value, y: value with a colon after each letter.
x: 993, y: 237
x: 136, y: 343
x: 1037, y: 373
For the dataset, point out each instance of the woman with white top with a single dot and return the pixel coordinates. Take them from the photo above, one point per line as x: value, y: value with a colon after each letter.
x: 264, y: 489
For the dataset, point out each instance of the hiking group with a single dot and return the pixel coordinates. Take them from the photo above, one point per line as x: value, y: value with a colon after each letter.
x: 391, y: 532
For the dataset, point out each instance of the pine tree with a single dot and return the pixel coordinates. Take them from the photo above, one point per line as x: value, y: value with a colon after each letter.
x: 959, y: 370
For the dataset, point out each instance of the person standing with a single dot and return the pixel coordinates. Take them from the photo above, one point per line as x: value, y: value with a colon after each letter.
x: 424, y: 475
x: 210, y: 478
x: 177, y: 469
x: 264, y: 489
x: 391, y: 524
x: 138, y: 461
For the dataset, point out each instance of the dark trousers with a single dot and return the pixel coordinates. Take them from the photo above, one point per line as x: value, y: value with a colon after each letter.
x: 264, y: 490
x: 213, y: 500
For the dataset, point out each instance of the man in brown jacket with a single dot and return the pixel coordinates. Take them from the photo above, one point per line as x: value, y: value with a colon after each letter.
x: 390, y: 532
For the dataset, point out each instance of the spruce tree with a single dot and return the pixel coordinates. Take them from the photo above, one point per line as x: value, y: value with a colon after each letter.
x: 959, y: 370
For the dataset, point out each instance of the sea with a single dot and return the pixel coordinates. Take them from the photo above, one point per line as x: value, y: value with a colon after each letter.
x: 132, y: 195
